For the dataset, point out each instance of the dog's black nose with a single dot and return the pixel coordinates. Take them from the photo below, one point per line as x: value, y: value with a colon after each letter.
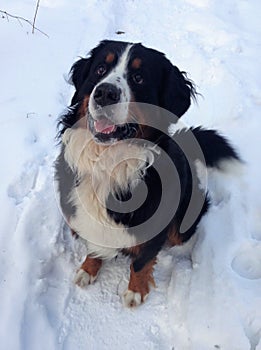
x: 107, y: 94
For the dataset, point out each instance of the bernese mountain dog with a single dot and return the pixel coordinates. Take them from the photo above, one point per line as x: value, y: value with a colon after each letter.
x: 131, y: 178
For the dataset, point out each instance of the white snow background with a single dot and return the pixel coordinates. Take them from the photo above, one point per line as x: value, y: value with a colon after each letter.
x: 209, y: 300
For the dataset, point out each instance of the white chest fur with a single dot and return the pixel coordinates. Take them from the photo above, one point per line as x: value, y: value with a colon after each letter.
x: 102, y: 170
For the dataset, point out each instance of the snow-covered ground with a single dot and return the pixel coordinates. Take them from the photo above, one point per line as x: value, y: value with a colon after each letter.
x: 211, y: 300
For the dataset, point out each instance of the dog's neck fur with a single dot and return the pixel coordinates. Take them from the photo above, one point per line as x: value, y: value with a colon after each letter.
x: 114, y: 166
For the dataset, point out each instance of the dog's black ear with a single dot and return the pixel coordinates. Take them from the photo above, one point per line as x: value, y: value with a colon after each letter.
x: 177, y: 91
x: 79, y: 72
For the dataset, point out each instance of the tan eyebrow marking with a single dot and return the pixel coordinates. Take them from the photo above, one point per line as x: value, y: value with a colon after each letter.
x: 136, y: 63
x: 110, y: 57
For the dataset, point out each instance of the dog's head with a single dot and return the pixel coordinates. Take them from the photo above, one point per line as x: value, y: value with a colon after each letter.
x: 117, y: 74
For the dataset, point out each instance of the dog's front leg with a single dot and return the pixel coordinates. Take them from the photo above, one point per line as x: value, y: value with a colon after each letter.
x: 139, y: 284
x: 88, y: 272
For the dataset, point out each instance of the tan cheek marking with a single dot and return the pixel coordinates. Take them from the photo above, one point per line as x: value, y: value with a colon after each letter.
x: 82, y: 121
x: 140, y: 281
x: 91, y: 265
x: 136, y: 63
x: 110, y: 57
x: 83, y: 108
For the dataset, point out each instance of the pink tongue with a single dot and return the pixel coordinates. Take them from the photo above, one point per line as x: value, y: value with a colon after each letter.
x: 103, y: 126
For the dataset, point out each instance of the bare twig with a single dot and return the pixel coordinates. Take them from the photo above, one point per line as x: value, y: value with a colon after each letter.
x: 23, y: 19
x: 35, y: 14
x: 21, y: 24
x: 7, y: 18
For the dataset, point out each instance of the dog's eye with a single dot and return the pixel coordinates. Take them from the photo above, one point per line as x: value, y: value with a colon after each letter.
x: 137, y: 78
x: 101, y: 70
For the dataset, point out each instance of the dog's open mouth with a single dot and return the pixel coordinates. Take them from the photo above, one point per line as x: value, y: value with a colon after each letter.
x: 104, y: 126
x: 105, y: 131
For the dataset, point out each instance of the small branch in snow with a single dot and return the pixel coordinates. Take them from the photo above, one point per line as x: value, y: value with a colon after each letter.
x: 35, y: 14
x: 20, y: 19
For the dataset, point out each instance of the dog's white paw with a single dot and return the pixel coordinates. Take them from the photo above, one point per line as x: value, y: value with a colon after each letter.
x: 83, y: 278
x: 132, y: 299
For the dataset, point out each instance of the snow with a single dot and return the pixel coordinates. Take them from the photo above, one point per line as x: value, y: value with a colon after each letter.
x: 208, y: 292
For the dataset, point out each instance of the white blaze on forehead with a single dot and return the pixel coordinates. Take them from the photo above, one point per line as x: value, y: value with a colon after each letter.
x: 118, y: 78
x: 120, y: 70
